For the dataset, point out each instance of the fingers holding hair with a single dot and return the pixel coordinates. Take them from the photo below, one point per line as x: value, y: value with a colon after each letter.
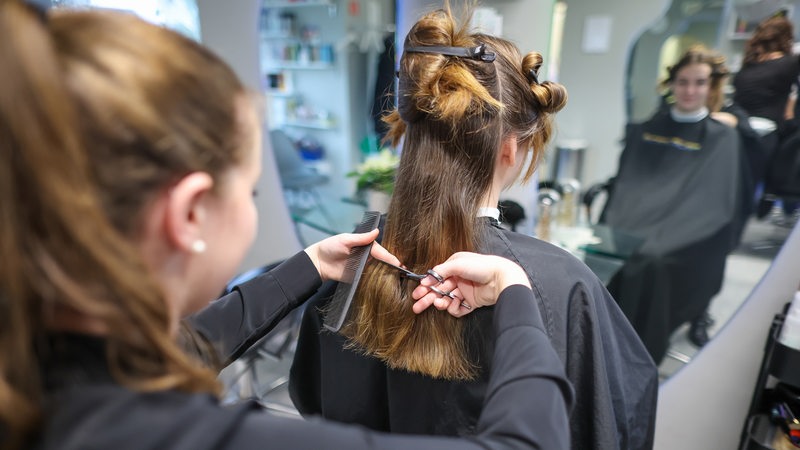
x: 330, y: 255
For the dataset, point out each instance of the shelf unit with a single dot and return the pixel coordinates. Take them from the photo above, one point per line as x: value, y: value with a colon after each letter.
x: 313, y: 83
x: 297, y: 3
x: 780, y: 368
x: 739, y: 28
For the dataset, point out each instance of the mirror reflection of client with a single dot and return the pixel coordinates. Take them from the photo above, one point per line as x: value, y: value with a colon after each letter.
x: 471, y: 110
x: 681, y: 185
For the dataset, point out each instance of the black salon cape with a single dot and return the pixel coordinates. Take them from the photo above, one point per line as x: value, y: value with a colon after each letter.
x: 679, y: 186
x: 615, y: 380
x: 87, y: 409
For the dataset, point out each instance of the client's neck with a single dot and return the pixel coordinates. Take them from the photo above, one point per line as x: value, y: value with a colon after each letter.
x: 688, y: 116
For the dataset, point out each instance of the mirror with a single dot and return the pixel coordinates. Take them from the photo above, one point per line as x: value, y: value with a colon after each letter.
x: 709, y: 22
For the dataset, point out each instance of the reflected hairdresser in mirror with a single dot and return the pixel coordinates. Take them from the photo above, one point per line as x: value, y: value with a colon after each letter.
x: 688, y: 166
x: 470, y: 110
x: 763, y: 87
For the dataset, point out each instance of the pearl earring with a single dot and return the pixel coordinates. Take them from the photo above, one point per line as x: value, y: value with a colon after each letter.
x: 199, y: 246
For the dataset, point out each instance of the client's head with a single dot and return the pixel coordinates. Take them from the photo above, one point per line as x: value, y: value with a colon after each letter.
x: 471, y: 111
x: 697, y: 80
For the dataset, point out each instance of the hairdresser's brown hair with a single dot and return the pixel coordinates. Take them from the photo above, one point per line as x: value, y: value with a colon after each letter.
x: 774, y: 34
x: 99, y: 111
x: 453, y: 113
x: 699, y: 54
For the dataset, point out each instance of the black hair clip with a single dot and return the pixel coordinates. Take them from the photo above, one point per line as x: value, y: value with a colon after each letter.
x: 533, y: 77
x: 477, y: 52
x: 38, y: 9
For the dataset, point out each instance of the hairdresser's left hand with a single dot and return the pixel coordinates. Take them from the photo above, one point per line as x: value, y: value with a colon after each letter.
x: 330, y: 255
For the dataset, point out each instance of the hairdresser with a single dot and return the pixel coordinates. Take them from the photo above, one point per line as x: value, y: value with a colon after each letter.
x: 763, y: 87
x: 128, y: 155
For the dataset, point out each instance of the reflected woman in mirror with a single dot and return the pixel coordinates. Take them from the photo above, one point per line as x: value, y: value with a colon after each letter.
x: 680, y: 185
x: 474, y: 117
x: 763, y: 87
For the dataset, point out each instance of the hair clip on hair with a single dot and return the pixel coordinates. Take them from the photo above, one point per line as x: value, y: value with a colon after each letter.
x: 532, y: 77
x: 477, y: 52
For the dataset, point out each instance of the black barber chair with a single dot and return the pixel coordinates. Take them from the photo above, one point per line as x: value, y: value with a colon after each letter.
x: 262, y: 372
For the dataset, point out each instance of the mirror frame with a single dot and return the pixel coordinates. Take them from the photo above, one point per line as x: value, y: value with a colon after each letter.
x: 706, y: 402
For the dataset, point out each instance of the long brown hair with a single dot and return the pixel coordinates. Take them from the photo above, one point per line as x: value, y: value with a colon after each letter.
x: 774, y: 34
x: 453, y: 113
x: 99, y: 111
x: 699, y: 54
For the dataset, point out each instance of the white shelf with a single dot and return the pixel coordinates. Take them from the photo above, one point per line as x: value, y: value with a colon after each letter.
x: 289, y: 65
x: 280, y: 94
x: 740, y: 36
x: 314, y: 125
x: 275, y: 36
x: 296, y: 3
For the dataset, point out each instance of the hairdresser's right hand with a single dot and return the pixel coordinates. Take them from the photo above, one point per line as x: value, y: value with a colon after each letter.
x: 330, y: 255
x: 474, y: 279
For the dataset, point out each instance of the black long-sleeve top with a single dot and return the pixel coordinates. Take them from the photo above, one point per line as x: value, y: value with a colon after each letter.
x: 763, y: 88
x: 615, y: 380
x: 526, y: 405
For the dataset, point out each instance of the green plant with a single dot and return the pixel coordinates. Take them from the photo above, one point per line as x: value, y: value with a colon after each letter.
x: 377, y: 172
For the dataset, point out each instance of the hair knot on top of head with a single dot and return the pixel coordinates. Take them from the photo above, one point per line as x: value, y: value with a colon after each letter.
x: 446, y: 73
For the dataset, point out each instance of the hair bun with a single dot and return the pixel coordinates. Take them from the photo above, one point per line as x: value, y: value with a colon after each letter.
x: 443, y: 87
x: 551, y: 97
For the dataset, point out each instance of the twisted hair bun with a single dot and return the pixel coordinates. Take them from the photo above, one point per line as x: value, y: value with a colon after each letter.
x: 551, y: 97
x: 443, y: 87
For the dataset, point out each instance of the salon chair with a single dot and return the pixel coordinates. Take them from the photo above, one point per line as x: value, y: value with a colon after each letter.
x: 594, y: 198
x: 299, y: 181
x: 262, y: 371
x: 511, y: 213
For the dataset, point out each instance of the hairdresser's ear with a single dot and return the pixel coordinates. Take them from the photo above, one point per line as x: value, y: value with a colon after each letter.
x: 508, y: 151
x: 187, y: 210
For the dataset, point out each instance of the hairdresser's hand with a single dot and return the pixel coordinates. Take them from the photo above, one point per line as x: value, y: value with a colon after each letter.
x: 330, y: 255
x: 473, y: 279
x: 726, y: 118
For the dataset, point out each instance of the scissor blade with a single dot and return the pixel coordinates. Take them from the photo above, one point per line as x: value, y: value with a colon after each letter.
x: 405, y: 272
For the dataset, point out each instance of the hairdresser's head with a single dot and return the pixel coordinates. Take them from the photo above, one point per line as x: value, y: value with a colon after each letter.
x: 128, y: 155
x: 697, y: 80
x: 774, y: 34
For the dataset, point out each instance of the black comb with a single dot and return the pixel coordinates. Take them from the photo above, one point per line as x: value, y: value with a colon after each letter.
x: 337, y: 309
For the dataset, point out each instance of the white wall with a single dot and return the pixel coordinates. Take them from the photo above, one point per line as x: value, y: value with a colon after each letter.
x: 527, y: 23
x: 230, y: 28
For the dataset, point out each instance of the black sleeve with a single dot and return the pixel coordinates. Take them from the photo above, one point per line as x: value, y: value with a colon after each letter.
x: 305, y: 375
x: 526, y: 404
x: 236, y: 321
